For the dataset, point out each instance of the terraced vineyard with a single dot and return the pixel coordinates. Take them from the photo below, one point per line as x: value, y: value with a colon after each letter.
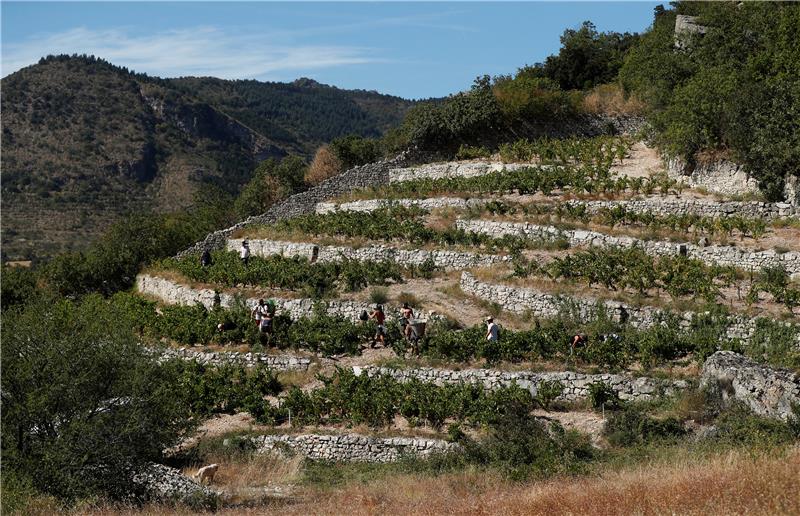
x: 618, y: 292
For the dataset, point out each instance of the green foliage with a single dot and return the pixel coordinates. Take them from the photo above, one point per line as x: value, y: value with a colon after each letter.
x: 632, y: 425
x: 397, y: 222
x: 775, y: 281
x: 228, y: 388
x: 522, y: 447
x: 775, y: 343
x: 272, y: 182
x: 547, y: 391
x: 376, y: 400
x: 468, y: 152
x: 601, y: 395
x: 111, y: 264
x: 327, y: 334
x: 354, y: 150
x: 739, y: 426
x: 82, y: 403
x: 735, y: 88
x: 586, y: 58
x: 378, y: 295
x: 18, y: 286
x: 296, y: 273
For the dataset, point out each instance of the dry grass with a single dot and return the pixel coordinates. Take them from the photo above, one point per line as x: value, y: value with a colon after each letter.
x: 611, y: 99
x: 737, y: 482
x: 733, y: 483
x: 257, y: 470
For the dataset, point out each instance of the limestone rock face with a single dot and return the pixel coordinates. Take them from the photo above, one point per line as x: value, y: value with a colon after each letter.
x: 686, y: 28
x: 767, y: 391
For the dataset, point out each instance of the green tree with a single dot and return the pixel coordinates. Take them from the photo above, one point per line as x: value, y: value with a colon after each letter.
x: 83, y: 405
x: 272, y: 182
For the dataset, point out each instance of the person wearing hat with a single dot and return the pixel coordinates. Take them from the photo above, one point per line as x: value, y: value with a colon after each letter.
x: 491, y: 330
x: 380, y: 331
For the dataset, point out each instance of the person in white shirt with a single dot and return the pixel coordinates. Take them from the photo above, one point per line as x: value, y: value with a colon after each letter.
x: 491, y: 330
x: 244, y: 252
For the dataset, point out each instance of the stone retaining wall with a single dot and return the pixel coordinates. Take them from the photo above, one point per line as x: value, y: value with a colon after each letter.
x: 721, y: 255
x: 767, y: 391
x: 366, y: 176
x: 352, y: 447
x: 665, y: 206
x: 543, y: 305
x: 660, y: 206
x: 452, y: 169
x: 375, y: 253
x: 250, y: 359
x: 370, y: 205
x: 576, y: 385
x: 173, y: 293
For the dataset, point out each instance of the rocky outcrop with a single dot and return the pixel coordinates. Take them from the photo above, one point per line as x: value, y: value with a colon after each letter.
x: 721, y: 176
x: 352, y: 447
x: 576, y: 385
x: 687, y: 29
x: 249, y: 359
x: 767, y: 391
x: 174, y: 293
x: 720, y: 255
x: 544, y: 305
x: 375, y: 253
x: 159, y: 483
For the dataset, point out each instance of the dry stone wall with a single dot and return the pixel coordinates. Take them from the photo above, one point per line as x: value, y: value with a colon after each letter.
x: 452, y: 169
x: 249, y: 359
x: 665, y: 206
x: 371, y: 205
x: 543, y: 305
x: 352, y: 447
x: 366, y: 176
x: 173, y: 293
x: 720, y: 255
x: 376, y: 253
x: 767, y: 391
x: 576, y: 385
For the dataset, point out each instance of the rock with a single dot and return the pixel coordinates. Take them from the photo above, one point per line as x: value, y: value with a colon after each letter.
x: 767, y: 391
x: 159, y: 483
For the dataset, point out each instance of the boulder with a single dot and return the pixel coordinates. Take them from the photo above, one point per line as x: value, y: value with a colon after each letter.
x: 767, y: 391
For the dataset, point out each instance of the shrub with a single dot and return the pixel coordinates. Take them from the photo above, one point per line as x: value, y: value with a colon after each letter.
x: 547, y: 391
x: 379, y: 295
x: 602, y: 395
x: 82, y: 402
x: 353, y: 150
x: 324, y: 165
x: 633, y: 426
x: 469, y: 152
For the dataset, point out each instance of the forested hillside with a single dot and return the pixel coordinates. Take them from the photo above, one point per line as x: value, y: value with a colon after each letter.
x: 85, y: 142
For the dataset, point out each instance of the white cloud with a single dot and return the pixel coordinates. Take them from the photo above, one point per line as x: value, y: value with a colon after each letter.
x: 206, y: 51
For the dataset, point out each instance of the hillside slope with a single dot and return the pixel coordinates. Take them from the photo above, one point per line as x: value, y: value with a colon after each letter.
x: 85, y: 142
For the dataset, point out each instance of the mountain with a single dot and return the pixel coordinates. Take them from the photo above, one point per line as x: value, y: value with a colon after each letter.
x: 85, y: 142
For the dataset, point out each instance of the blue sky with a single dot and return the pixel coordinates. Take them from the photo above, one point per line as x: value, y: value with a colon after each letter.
x: 414, y: 50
